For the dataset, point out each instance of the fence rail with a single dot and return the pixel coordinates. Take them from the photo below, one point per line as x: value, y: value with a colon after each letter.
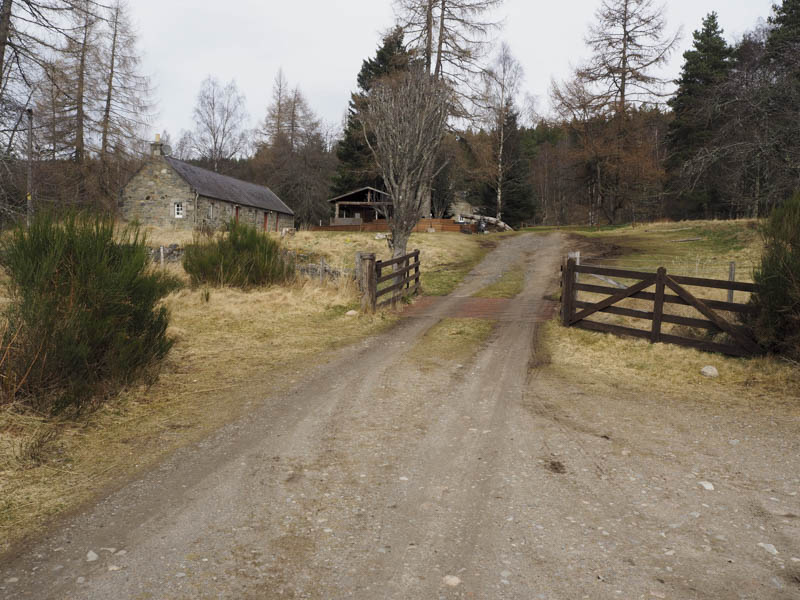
x: 401, y: 273
x: 574, y: 312
x: 382, y: 226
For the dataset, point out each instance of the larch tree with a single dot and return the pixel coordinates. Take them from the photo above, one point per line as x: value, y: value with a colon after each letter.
x: 449, y: 34
x: 628, y: 42
x: 407, y: 115
x: 126, y: 103
x: 294, y: 157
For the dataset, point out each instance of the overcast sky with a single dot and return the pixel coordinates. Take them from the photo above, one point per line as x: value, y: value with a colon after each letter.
x: 320, y: 45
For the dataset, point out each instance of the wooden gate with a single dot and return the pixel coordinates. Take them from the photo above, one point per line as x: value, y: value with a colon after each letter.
x: 574, y: 312
x: 373, y: 277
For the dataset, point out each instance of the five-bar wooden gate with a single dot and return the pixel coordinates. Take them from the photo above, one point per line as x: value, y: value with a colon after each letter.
x: 575, y: 312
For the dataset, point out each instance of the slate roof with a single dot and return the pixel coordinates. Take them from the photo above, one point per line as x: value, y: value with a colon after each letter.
x: 221, y: 187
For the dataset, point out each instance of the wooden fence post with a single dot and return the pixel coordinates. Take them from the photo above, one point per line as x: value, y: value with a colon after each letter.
x: 731, y: 277
x: 358, y: 272
x: 568, y: 292
x: 369, y: 285
x: 416, y: 270
x: 658, y: 306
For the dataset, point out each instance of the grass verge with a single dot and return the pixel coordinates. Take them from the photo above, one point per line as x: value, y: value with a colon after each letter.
x: 510, y: 284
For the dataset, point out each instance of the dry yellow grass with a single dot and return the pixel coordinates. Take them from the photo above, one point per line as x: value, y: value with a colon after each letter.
x: 670, y: 371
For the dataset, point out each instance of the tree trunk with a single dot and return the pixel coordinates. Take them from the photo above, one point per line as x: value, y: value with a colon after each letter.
x: 109, y: 87
x: 440, y: 45
x: 5, y: 29
x: 80, y: 98
x: 428, y: 35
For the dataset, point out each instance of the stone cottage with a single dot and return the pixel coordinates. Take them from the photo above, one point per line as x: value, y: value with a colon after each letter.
x: 167, y: 192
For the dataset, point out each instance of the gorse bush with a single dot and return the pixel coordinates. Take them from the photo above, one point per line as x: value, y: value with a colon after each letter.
x: 84, y: 316
x: 776, y: 322
x: 242, y: 257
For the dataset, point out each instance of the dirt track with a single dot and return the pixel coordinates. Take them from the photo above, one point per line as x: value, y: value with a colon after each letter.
x: 376, y: 478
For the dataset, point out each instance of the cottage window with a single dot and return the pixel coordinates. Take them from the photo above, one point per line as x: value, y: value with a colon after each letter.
x: 211, y: 210
x: 179, y: 210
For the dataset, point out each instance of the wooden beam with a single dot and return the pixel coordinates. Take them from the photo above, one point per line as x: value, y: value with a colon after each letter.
x: 728, y: 328
x: 614, y: 298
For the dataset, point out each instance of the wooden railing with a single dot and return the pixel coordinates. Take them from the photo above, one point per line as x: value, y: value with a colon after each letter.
x: 574, y: 312
x: 397, y: 276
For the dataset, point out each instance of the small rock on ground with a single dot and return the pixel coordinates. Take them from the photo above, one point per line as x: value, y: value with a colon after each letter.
x: 91, y: 556
x: 451, y: 580
x: 769, y: 548
x: 709, y: 371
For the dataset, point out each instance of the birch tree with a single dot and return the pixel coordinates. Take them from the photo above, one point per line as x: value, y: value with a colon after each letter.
x: 407, y: 117
x: 501, y: 82
x: 220, y: 121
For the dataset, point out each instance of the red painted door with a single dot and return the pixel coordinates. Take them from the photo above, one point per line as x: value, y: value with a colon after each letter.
x: 266, y: 218
x: 237, y: 214
x: 276, y: 221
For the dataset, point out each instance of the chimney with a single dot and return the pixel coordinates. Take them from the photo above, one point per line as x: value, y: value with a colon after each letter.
x: 157, y: 148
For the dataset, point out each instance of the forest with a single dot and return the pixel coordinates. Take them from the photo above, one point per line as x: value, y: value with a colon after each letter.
x: 619, y: 143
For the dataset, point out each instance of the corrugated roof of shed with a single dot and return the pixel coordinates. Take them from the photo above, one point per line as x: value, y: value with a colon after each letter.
x: 229, y: 189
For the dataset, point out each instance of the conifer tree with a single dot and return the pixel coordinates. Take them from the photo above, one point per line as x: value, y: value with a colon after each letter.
x: 356, y: 167
x: 706, y: 65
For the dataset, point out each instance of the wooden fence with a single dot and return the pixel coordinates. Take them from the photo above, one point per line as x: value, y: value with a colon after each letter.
x: 382, y: 225
x: 394, y: 278
x: 574, y: 312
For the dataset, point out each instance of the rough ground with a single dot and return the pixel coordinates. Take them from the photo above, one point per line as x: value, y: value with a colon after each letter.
x: 378, y: 478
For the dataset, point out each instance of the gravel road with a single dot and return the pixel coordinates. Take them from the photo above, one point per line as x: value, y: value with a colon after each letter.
x: 378, y: 478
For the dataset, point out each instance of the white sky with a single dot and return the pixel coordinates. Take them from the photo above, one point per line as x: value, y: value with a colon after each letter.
x: 320, y: 45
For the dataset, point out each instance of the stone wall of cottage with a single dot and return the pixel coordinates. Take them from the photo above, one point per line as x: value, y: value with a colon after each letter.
x: 217, y: 213
x: 152, y: 194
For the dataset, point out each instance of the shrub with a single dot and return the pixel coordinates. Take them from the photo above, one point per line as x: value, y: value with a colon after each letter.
x: 242, y: 257
x: 776, y: 322
x: 84, y: 315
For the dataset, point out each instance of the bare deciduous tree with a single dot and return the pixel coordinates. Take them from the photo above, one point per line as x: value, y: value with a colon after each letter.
x: 627, y: 42
x: 407, y: 116
x: 220, y: 121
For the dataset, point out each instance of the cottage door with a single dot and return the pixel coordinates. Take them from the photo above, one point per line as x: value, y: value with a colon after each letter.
x: 266, y: 219
x: 237, y: 214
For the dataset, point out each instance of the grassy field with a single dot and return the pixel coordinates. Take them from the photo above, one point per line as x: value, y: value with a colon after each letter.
x: 232, y: 347
x: 595, y: 358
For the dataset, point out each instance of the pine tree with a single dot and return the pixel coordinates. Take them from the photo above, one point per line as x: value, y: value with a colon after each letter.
x: 785, y: 33
x: 356, y: 167
x: 705, y: 66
